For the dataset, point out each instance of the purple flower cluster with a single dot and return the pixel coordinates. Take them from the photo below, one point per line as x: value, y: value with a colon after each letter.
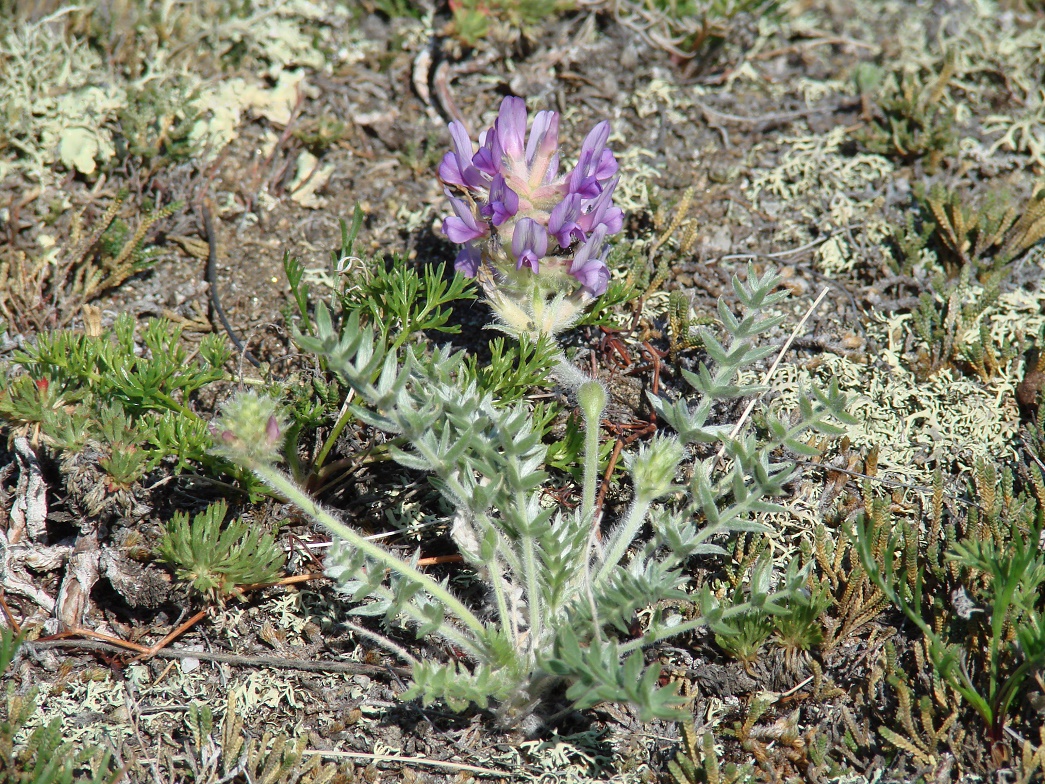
x: 515, y: 210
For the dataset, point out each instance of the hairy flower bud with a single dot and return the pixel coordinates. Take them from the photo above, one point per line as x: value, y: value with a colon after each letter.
x: 250, y: 429
x: 535, y: 238
x: 653, y: 468
x: 592, y: 397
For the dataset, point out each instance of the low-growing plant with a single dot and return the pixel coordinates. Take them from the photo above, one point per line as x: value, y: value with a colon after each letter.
x: 796, y: 627
x: 474, y: 20
x: 799, y: 628
x: 988, y: 639
x: 276, y: 759
x: 698, y: 762
x: 856, y: 600
x: 988, y: 234
x: 682, y: 326
x: 514, y: 370
x: 968, y: 241
x: 216, y: 751
x: 562, y: 589
x: 396, y: 299
x: 687, y: 29
x: 126, y: 394
x: 216, y: 558
x: 45, y: 292
x: 928, y: 726
x: 780, y: 748
x: 944, y: 316
x: 321, y: 133
x: 394, y: 9
x: 748, y: 634
x: 401, y: 302
x: 560, y: 595
x: 912, y: 120
x: 156, y: 125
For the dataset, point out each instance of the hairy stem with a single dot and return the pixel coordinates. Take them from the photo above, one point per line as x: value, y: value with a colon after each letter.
x: 592, y: 397
x: 280, y: 482
x: 622, y: 537
x: 458, y: 490
x: 529, y: 563
x: 591, y: 468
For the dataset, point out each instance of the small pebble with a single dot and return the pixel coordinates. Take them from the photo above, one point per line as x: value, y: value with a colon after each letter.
x: 189, y: 664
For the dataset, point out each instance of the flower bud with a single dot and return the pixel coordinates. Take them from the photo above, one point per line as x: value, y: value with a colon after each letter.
x: 653, y: 468
x: 592, y: 397
x: 250, y: 429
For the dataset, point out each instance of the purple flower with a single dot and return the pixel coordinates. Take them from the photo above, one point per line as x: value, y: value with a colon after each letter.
x: 468, y: 260
x: 562, y: 223
x: 595, y: 164
x: 529, y: 243
x: 542, y: 149
x: 510, y: 127
x: 503, y: 203
x: 484, y: 159
x: 501, y: 148
x: 601, y: 212
x: 465, y: 227
x: 503, y: 143
x: 509, y: 197
x: 457, y: 168
x: 589, y: 263
x: 272, y: 431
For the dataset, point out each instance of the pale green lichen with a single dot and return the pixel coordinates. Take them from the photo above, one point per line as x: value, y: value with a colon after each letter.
x: 56, y: 97
x: 824, y: 186
x: 913, y: 423
x: 93, y: 710
x: 93, y: 706
x: 581, y: 758
x: 1023, y: 132
x: 836, y: 257
x: 60, y: 102
x: 815, y: 164
x: 228, y: 104
x: 637, y: 173
x: 1020, y: 313
x: 659, y: 97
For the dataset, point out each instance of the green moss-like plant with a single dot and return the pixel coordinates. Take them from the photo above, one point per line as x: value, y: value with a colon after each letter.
x: 127, y: 395
x: 217, y: 558
x: 988, y: 639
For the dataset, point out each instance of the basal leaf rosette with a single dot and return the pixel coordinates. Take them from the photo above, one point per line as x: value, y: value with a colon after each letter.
x: 534, y: 237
